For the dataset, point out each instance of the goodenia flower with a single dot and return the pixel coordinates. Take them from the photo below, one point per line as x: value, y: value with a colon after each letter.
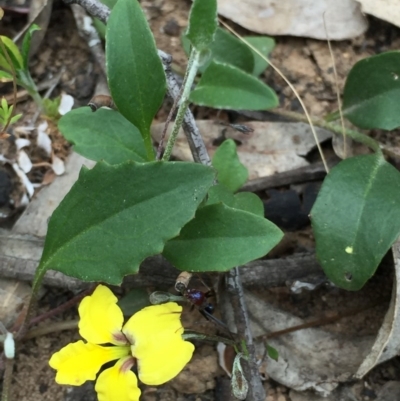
x: 152, y: 339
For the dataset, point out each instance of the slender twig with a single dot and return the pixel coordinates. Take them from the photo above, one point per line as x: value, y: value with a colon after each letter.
x: 235, y: 291
x: 51, y: 328
x: 94, y: 8
x: 89, y: 33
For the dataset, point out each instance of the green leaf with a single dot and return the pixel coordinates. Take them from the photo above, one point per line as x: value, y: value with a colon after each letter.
x: 5, y: 75
x: 13, y: 52
x: 135, y: 73
x: 372, y: 92
x: 116, y: 216
x: 219, y: 238
x: 356, y: 219
x: 264, y: 45
x: 231, y: 172
x: 249, y: 202
x: 134, y: 301
x: 26, y: 45
x: 51, y: 106
x: 272, y: 352
x: 220, y: 194
x: 202, y: 23
x: 226, y: 87
x: 15, y: 118
x: 227, y: 49
x: 103, y: 135
x: 4, y: 105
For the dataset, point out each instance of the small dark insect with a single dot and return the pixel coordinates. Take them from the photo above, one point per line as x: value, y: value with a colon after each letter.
x: 99, y: 101
x: 197, y: 298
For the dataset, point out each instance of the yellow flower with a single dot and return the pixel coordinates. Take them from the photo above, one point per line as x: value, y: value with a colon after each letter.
x: 152, y: 339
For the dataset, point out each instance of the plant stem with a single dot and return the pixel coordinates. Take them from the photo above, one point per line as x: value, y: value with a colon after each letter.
x: 7, y: 378
x: 337, y: 129
x: 191, y: 72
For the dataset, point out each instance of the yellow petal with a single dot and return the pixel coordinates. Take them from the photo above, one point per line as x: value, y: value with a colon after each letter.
x: 163, y: 362
x: 154, y: 320
x: 78, y: 362
x: 100, y: 318
x: 118, y: 383
x: 156, y: 336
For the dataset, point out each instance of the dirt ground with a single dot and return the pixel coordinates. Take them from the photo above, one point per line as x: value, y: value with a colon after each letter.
x: 307, y: 64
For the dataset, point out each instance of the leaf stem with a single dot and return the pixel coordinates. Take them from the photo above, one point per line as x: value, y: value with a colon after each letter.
x: 337, y: 129
x: 191, y: 72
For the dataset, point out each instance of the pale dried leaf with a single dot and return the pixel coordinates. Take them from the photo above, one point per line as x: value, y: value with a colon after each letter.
x: 388, y: 10
x: 24, y: 179
x: 305, y: 18
x: 24, y: 161
x: 43, y: 140
x: 22, y: 142
x: 58, y: 166
x: 66, y: 104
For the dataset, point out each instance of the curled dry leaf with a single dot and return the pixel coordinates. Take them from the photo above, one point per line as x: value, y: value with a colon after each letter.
x: 387, y: 343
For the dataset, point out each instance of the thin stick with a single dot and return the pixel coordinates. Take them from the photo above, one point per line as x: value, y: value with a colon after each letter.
x: 290, y: 86
x: 235, y: 291
x: 337, y: 88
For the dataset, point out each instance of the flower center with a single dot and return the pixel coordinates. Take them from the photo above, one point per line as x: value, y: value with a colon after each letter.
x: 120, y: 338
